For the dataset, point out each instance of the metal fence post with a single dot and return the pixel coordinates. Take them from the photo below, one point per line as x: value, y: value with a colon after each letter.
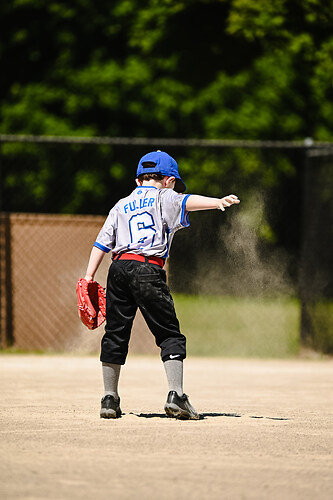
x: 305, y: 324
x: 6, y: 304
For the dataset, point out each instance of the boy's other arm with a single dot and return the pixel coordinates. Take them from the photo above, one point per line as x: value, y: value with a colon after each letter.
x: 198, y: 202
x: 95, y: 259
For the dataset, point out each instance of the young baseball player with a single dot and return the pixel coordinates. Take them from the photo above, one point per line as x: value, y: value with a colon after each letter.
x: 139, y: 231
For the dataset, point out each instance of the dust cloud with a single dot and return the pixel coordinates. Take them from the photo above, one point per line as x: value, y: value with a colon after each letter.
x: 246, y: 262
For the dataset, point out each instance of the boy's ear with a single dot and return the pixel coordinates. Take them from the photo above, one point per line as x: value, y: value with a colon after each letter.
x: 138, y: 183
x: 169, y: 180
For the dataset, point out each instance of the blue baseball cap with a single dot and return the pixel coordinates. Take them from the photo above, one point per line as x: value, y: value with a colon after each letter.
x: 163, y: 164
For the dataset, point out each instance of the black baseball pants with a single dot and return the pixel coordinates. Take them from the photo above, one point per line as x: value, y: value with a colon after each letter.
x: 130, y: 285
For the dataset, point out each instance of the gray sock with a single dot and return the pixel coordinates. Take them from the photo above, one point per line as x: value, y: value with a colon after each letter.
x: 174, y: 373
x: 111, y: 373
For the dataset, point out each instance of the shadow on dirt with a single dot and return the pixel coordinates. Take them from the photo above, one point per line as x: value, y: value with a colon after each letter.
x: 202, y: 415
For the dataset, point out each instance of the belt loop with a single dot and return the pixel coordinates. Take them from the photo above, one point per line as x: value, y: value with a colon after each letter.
x: 146, y: 259
x: 117, y: 257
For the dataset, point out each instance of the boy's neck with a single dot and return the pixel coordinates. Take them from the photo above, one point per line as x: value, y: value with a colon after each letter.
x: 166, y: 182
x: 153, y: 183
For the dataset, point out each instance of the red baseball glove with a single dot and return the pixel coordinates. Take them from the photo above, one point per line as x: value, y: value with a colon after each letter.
x: 91, y: 303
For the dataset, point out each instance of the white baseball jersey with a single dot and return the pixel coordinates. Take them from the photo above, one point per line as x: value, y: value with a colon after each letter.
x: 144, y: 222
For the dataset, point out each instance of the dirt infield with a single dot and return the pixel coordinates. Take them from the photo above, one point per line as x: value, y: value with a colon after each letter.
x: 266, y: 431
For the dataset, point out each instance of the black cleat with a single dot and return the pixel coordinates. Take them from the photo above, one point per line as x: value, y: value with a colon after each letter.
x: 180, y: 407
x: 110, y: 407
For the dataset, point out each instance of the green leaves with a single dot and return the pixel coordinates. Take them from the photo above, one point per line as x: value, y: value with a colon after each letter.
x: 257, y: 19
x: 215, y: 68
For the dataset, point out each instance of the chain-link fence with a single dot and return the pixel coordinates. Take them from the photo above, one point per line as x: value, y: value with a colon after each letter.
x: 263, y: 250
x: 42, y: 258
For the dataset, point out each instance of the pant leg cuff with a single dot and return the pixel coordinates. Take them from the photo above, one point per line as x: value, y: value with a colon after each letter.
x: 115, y: 360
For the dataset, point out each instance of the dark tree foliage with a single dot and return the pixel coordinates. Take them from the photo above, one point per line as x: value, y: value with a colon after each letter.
x: 230, y: 68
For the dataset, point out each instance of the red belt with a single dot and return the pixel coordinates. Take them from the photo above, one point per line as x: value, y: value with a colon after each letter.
x: 140, y: 258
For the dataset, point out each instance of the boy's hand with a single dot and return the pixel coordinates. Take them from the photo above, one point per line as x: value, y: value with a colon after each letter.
x: 227, y: 201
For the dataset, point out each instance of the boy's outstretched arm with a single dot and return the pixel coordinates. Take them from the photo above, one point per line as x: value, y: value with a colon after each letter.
x: 197, y: 202
x: 95, y: 259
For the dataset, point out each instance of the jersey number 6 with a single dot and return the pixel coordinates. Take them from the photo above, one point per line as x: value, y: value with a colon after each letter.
x: 142, y: 229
